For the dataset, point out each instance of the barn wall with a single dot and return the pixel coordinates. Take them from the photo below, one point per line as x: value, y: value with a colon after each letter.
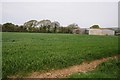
x: 108, y: 32
x: 101, y: 32
x: 95, y: 32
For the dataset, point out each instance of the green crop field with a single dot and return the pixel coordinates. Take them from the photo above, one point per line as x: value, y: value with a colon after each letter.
x: 23, y: 53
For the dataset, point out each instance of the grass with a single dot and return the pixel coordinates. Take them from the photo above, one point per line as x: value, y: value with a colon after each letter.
x: 109, y: 69
x: 23, y: 53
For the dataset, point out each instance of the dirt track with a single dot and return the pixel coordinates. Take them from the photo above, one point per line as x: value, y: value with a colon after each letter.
x: 62, y: 73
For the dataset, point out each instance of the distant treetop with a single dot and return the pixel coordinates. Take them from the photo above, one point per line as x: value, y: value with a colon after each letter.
x: 94, y: 26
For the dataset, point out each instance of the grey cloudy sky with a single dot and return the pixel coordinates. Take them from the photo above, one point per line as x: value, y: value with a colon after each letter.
x: 84, y: 14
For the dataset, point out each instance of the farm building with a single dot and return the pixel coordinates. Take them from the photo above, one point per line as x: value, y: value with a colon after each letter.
x: 80, y: 31
x: 76, y: 31
x: 101, y: 31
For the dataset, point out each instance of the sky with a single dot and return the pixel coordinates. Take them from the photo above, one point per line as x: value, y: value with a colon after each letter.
x: 59, y: 0
x: 85, y: 14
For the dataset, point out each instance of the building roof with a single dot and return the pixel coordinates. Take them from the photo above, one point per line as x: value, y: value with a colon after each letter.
x: 103, y: 28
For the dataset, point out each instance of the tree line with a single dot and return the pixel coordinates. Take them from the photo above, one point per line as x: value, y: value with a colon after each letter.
x: 43, y: 26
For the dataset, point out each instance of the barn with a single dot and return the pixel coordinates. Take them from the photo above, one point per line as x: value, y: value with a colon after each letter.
x: 101, y: 31
x: 80, y: 31
x: 76, y: 31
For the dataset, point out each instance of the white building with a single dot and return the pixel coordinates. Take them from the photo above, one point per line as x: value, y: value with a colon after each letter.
x: 101, y: 31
